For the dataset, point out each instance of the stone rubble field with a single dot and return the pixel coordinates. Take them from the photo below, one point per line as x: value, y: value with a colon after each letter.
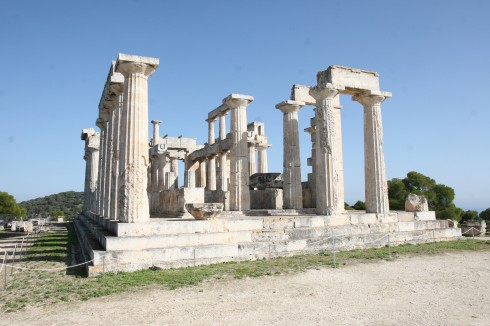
x: 448, y: 289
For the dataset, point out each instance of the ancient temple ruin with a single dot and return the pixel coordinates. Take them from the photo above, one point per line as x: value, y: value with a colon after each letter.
x: 135, y: 214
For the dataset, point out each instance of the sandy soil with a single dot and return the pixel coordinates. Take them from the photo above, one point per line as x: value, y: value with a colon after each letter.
x: 451, y: 289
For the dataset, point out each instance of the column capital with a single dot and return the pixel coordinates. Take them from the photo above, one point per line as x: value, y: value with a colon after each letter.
x: 327, y: 91
x: 132, y: 64
x: 156, y: 122
x: 262, y: 146
x: 100, y: 122
x: 371, y: 97
x: 290, y: 106
x: 235, y: 100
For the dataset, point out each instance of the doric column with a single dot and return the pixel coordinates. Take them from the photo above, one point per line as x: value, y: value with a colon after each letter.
x: 133, y: 198
x: 156, y: 132
x: 223, y: 176
x: 376, y: 186
x: 328, y: 183
x: 211, y: 182
x: 239, y: 177
x: 116, y: 125
x: 292, y: 191
x: 312, y: 161
x: 202, y: 173
x: 100, y: 196
x: 92, y: 143
x: 251, y: 159
x: 263, y: 164
x: 222, y: 126
x: 174, y: 164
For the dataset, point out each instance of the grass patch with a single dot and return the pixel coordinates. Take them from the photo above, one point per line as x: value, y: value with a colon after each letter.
x: 37, y: 288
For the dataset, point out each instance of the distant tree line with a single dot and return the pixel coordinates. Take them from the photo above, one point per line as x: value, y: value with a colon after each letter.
x: 9, y: 207
x: 67, y: 204
x: 439, y: 197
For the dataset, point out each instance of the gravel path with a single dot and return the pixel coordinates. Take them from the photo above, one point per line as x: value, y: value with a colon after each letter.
x: 449, y: 289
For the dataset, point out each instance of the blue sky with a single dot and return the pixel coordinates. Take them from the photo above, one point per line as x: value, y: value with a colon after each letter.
x: 432, y: 55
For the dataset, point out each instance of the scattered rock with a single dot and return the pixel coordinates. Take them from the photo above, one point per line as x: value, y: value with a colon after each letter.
x: 416, y: 203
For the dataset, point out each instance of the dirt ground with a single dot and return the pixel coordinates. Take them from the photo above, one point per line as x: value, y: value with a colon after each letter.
x: 449, y: 289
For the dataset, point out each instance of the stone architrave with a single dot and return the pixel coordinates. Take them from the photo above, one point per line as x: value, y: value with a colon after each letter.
x: 292, y: 190
x: 239, y: 176
x: 328, y: 178
x: 92, y: 143
x: 132, y: 192
x: 376, y: 185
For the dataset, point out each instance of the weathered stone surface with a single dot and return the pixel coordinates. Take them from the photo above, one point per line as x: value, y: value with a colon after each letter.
x: 266, y: 199
x: 473, y: 228
x: 263, y: 181
x: 416, y: 203
x: 204, y: 211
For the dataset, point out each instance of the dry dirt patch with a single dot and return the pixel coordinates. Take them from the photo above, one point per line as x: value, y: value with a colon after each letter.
x: 448, y: 289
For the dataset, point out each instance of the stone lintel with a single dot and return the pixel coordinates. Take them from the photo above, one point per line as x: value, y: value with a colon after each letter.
x: 123, y: 58
x: 302, y: 93
x: 217, y: 112
x: 237, y: 97
x: 352, y: 79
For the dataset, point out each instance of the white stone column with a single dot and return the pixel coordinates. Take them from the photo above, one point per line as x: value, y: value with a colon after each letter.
x: 251, y: 159
x: 328, y: 198
x: 174, y: 164
x: 102, y: 124
x: 376, y: 186
x: 156, y: 132
x: 92, y: 143
x: 202, y: 174
x: 116, y: 125
x: 292, y: 190
x: 133, y: 197
x: 223, y: 175
x: 263, y: 164
x: 239, y: 177
x: 211, y: 182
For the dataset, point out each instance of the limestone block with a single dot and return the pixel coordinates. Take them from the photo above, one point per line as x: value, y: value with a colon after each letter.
x: 309, y: 221
x: 336, y: 220
x: 416, y: 203
x: 350, y: 78
x: 452, y: 223
x: 266, y: 199
x: 406, y: 216
x: 302, y: 93
x: 204, y: 211
x: 425, y: 216
x: 387, y: 218
x: 406, y: 226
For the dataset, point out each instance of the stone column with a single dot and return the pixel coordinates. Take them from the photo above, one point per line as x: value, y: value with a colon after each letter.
x: 202, y: 174
x: 133, y: 198
x: 292, y: 190
x: 116, y: 125
x: 239, y: 177
x: 92, y: 143
x: 251, y: 157
x: 263, y: 164
x: 223, y: 175
x: 211, y: 182
x: 328, y: 198
x: 312, y: 161
x: 102, y: 124
x: 175, y: 169
x: 156, y: 132
x: 376, y: 186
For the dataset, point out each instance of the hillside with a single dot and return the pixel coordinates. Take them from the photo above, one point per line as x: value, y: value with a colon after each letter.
x: 70, y: 202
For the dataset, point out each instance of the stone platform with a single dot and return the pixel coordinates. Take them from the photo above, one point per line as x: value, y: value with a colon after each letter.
x: 238, y: 236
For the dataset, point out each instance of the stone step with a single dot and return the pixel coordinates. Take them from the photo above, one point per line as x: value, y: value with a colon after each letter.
x: 170, y: 257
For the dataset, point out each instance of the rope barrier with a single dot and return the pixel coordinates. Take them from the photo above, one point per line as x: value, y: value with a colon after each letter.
x: 48, y: 269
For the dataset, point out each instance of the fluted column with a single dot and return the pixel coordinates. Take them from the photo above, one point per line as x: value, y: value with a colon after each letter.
x: 223, y: 175
x: 251, y: 159
x: 156, y: 132
x: 202, y: 174
x: 92, y: 143
x: 376, y: 185
x: 116, y: 127
x: 292, y: 190
x: 174, y: 164
x: 211, y: 182
x: 328, y: 178
x: 133, y: 198
x: 101, y: 167
x: 263, y: 164
x: 239, y: 177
